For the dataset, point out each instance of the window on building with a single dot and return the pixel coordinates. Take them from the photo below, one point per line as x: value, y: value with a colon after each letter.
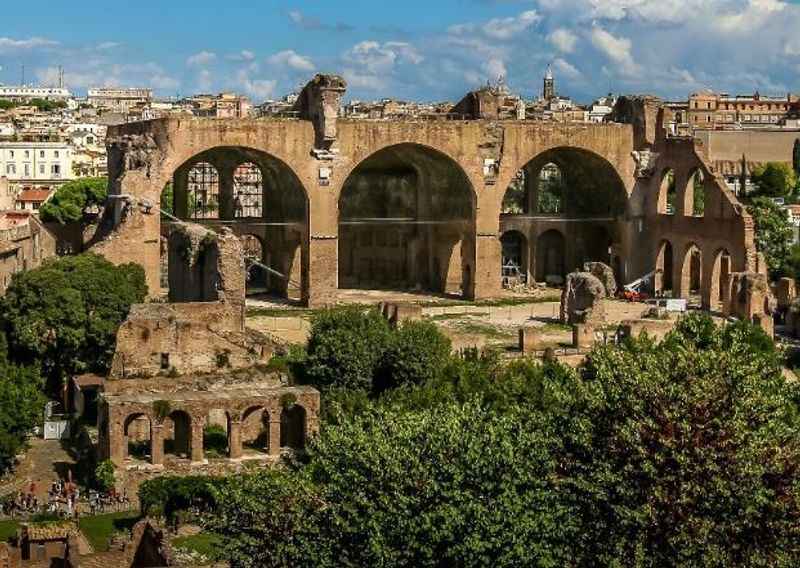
x: 41, y: 168
x: 27, y: 153
x: 55, y: 153
x: 41, y: 153
x: 11, y: 169
x: 27, y: 170
x: 708, y: 118
x: 56, y: 170
x: 11, y: 153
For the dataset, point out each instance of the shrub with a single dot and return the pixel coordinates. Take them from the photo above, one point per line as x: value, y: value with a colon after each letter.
x: 104, y: 475
x: 345, y: 348
x: 71, y: 200
x: 416, y: 353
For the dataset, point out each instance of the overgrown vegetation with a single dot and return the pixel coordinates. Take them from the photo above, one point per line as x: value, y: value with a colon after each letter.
x: 72, y: 201
x: 63, y: 316
x: 680, y: 453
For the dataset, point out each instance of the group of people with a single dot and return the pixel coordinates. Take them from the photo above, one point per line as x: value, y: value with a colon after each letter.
x: 64, y: 499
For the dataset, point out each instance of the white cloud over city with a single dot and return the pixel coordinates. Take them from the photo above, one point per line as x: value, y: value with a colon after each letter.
x: 666, y: 47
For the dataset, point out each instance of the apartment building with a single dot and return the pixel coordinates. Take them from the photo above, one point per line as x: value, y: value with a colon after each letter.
x: 36, y: 164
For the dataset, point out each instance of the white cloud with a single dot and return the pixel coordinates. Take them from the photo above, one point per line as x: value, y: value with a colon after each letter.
x: 293, y: 60
x: 499, y: 28
x: 565, y: 68
x: 618, y: 49
x: 9, y: 44
x: 495, y: 69
x: 563, y: 40
x: 200, y: 59
x: 204, y: 81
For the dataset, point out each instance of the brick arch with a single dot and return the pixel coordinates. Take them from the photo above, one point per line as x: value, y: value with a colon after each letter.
x: 686, y: 266
x: 343, y: 175
x: 560, y: 154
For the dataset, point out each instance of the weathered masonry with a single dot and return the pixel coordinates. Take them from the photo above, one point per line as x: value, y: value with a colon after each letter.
x: 440, y: 206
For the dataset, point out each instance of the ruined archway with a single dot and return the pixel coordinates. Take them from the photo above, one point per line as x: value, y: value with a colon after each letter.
x: 575, y: 201
x: 138, y: 432
x: 256, y: 258
x: 256, y: 430
x: 717, y: 296
x: 216, y: 434
x: 253, y: 193
x: 177, y: 432
x: 293, y: 427
x: 691, y: 272
x: 406, y: 222
x: 695, y: 198
x: 663, y: 283
x: 514, y: 265
x: 667, y: 193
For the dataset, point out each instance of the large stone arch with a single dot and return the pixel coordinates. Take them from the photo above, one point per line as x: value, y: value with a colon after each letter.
x: 282, y: 228
x: 407, y: 221
x: 692, y: 274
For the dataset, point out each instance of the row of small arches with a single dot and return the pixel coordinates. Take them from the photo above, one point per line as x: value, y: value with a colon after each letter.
x: 694, y: 194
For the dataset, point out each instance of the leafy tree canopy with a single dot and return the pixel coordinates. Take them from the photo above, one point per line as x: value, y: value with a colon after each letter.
x: 71, y: 200
x: 774, y: 179
x: 773, y: 232
x: 682, y: 453
x: 64, y: 315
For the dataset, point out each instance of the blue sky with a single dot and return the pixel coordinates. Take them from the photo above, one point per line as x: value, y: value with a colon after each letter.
x: 413, y: 49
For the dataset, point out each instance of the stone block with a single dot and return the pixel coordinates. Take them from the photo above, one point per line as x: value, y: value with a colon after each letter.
x: 530, y: 339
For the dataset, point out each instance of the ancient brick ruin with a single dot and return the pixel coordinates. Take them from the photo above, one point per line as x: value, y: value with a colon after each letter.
x: 451, y: 205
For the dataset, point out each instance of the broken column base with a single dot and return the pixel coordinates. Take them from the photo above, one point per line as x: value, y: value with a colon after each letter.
x: 530, y: 339
x: 583, y: 336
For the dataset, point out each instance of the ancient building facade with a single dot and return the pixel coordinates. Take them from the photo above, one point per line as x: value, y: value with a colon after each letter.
x: 188, y: 380
x: 431, y: 205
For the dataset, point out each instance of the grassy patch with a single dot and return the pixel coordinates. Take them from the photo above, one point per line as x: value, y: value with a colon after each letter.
x: 207, y: 544
x: 488, y: 331
x: 98, y: 529
x: 556, y: 328
x: 8, y: 529
x: 445, y: 317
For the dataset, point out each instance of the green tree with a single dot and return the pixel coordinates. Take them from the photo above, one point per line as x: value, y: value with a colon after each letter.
x: 21, y: 408
x: 773, y: 232
x: 416, y: 353
x: 774, y: 179
x: 64, y: 315
x: 71, y: 201
x: 345, y: 348
x: 682, y: 453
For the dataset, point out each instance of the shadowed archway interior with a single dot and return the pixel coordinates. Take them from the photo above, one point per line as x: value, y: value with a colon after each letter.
x: 406, y: 222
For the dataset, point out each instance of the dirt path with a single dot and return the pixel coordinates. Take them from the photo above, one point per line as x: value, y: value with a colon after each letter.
x: 43, y: 463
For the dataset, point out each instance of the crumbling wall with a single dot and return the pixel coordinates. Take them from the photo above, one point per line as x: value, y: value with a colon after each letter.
x: 751, y: 299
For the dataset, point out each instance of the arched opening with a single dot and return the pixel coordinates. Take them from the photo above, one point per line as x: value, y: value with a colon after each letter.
x: 664, y: 270
x: 667, y: 194
x: 138, y: 437
x: 216, y: 434
x: 253, y: 193
x: 202, y: 192
x: 568, y: 182
x: 177, y: 430
x: 255, y: 430
x: 248, y: 191
x: 695, y: 200
x: 692, y: 273
x: 255, y: 259
x: 406, y: 222
x: 515, y: 259
x: 576, y: 201
x: 293, y: 427
x: 550, y: 262
x: 719, y: 284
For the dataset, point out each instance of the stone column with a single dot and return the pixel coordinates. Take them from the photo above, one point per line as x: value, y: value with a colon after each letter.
x: 180, y: 193
x: 235, y: 440
x: 197, y: 440
x: 117, y: 443
x: 274, y: 435
x: 226, y: 201
x: 323, y: 269
x: 486, y: 279
x: 156, y: 443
